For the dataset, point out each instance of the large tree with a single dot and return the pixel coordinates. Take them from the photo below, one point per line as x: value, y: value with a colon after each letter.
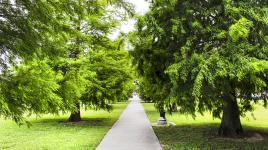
x: 205, y: 56
x: 30, y: 37
x: 91, y: 22
x: 49, y: 57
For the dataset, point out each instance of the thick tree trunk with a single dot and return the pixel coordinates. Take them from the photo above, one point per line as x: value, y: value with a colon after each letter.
x: 230, y: 122
x: 75, y: 116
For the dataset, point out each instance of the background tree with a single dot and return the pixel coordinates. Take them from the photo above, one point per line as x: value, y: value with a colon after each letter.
x: 90, y: 23
x: 113, y: 78
x: 205, y: 56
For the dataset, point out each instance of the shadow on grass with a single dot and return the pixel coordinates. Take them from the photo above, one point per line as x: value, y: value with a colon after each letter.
x: 92, y: 122
x: 204, y: 136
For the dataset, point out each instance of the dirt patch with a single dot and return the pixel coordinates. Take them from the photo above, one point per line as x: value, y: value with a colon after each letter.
x: 256, y: 136
x: 86, y: 122
x: 249, y: 136
x: 83, y: 122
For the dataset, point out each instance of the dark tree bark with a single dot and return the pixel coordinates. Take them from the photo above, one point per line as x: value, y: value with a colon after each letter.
x: 230, y: 123
x: 75, y: 116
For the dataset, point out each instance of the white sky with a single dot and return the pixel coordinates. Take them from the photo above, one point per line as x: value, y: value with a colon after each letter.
x: 141, y: 7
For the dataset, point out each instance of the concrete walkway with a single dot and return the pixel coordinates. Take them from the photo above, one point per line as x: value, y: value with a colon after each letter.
x: 132, y: 131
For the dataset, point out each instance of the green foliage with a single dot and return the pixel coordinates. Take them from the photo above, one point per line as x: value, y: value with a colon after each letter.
x: 192, y: 53
x: 112, y: 81
x: 240, y: 29
x: 73, y: 83
x: 72, y: 36
x: 30, y: 88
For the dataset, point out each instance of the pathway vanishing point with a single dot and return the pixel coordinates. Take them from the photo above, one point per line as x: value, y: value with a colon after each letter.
x: 132, y: 131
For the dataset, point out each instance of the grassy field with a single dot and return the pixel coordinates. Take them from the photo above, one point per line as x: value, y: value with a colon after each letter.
x: 201, y: 133
x: 53, y: 132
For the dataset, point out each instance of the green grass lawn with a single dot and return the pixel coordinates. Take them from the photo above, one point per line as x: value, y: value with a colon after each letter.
x: 53, y: 132
x: 201, y: 133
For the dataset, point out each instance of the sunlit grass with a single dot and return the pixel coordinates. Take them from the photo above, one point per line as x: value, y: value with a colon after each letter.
x: 53, y: 132
x: 201, y: 132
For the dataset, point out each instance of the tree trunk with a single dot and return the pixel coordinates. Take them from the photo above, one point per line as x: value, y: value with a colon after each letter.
x: 75, y: 116
x: 230, y: 122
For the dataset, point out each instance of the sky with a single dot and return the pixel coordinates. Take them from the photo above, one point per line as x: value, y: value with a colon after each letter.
x: 141, y: 7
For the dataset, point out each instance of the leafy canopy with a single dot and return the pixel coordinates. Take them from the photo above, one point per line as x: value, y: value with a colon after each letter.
x: 192, y: 53
x: 52, y: 53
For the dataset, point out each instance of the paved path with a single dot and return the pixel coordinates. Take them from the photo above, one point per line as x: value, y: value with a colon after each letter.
x: 132, y: 131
